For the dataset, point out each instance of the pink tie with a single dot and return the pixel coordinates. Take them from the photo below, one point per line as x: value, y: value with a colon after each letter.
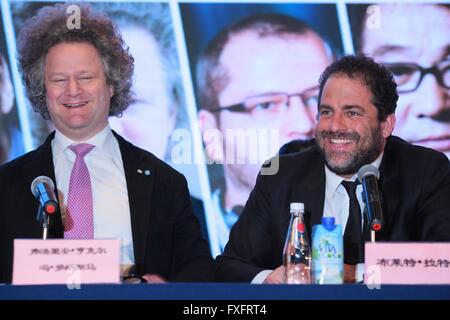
x: 80, y: 216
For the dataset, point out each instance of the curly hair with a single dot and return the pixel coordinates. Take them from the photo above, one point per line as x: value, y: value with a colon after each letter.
x: 377, y: 78
x: 49, y: 28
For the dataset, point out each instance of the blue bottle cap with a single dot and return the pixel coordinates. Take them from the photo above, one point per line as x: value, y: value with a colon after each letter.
x: 328, y: 223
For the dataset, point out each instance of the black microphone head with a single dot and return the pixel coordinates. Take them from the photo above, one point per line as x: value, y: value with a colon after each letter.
x: 41, y: 179
x: 368, y: 170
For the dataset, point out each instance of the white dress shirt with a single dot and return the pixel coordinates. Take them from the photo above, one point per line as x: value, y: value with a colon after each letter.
x: 336, y: 205
x: 337, y: 201
x: 109, y: 188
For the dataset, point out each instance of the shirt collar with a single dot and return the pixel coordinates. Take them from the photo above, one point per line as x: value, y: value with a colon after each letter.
x: 332, y: 180
x: 103, y: 141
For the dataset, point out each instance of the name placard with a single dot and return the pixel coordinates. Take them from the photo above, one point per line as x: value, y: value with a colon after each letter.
x: 70, y: 262
x: 407, y: 263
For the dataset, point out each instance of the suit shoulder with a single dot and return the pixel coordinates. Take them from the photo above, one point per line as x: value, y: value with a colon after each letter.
x: 419, y: 163
x: 163, y: 168
x: 36, y: 155
x: 293, y: 163
x: 415, y: 155
x: 19, y: 162
x: 164, y: 173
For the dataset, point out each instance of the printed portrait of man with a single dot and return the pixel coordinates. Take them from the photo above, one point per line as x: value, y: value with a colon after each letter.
x: 257, y: 86
x: 412, y: 41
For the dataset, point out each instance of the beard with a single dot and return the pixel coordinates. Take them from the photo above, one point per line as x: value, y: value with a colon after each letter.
x: 348, y: 162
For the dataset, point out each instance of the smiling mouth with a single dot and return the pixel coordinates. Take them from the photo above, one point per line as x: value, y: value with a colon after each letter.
x: 340, y: 141
x: 75, y: 105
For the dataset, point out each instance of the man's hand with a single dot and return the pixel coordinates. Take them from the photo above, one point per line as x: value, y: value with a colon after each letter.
x: 349, y: 273
x: 276, y: 276
x: 153, y: 278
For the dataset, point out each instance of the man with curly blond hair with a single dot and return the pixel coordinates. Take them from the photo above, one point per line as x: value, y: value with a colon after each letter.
x: 77, y: 72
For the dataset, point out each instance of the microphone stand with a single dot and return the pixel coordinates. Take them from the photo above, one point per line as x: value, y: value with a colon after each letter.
x: 44, y: 219
x: 369, y: 222
x: 369, y: 225
x: 45, y: 224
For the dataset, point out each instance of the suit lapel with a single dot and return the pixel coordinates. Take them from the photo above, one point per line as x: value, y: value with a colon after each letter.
x: 314, y: 193
x: 389, y: 181
x: 139, y: 175
x: 41, y: 164
x: 310, y: 189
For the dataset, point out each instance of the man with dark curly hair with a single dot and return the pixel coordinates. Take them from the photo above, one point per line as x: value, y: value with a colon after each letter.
x: 77, y: 72
x: 357, y: 101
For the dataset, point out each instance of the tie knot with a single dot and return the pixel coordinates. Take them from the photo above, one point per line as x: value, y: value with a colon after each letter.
x: 81, y: 149
x: 350, y: 187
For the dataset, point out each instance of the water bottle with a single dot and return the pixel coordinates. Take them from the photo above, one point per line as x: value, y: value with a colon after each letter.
x: 327, y: 252
x: 297, y: 253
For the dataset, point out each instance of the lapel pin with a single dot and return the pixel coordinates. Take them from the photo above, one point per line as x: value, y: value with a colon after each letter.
x: 147, y: 172
x: 139, y: 171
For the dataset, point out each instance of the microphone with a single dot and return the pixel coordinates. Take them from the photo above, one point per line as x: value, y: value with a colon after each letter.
x: 368, y: 175
x: 42, y: 188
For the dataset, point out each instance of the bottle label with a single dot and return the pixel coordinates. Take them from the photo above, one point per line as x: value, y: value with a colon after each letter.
x: 327, y: 258
x: 327, y: 250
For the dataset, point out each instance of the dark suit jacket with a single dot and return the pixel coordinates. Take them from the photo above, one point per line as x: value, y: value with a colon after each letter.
x: 414, y: 182
x: 166, y: 235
